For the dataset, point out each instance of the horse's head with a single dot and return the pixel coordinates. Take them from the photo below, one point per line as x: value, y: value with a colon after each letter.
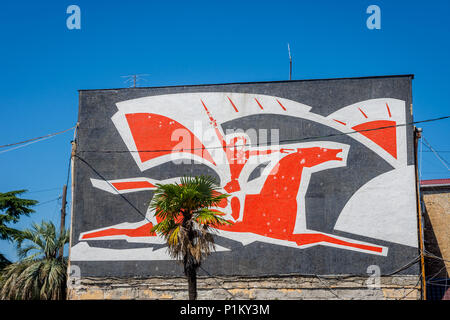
x: 317, y: 155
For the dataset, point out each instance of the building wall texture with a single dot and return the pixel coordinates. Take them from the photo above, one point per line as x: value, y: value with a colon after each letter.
x: 306, y: 197
x: 437, y: 225
x: 242, y: 288
x: 436, y: 213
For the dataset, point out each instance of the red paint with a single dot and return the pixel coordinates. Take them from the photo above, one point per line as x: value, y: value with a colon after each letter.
x: 236, y: 151
x: 273, y: 212
x: 152, y: 134
x: 311, y: 238
x: 281, y: 105
x: 143, y: 231
x: 340, y: 122
x: 389, y: 110
x: 363, y: 113
x: 235, y: 207
x: 386, y: 138
x: 235, y: 109
x: 132, y: 185
x: 223, y: 203
x: 259, y: 104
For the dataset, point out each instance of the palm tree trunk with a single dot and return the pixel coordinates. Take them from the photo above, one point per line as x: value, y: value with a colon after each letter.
x: 192, y: 284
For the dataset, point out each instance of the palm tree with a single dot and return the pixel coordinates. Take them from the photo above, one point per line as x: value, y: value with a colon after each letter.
x: 11, y: 208
x: 41, y: 273
x: 186, y: 221
x: 3, y: 262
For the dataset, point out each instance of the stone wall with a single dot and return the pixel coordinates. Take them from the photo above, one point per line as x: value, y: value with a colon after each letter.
x: 262, y: 288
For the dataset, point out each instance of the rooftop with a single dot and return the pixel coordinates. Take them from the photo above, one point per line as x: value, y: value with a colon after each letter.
x: 435, y: 183
x: 254, y: 82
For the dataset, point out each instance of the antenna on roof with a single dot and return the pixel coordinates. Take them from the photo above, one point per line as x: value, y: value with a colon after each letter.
x: 290, y: 63
x: 134, y: 79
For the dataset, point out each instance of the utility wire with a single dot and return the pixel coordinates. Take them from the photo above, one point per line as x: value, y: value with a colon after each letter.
x: 269, y: 143
x: 37, y: 138
x: 215, y: 279
x: 48, y: 201
x: 435, y: 152
x: 413, y: 289
x: 442, y: 160
x: 103, y: 178
x: 431, y: 255
x: 43, y: 190
x: 24, y: 145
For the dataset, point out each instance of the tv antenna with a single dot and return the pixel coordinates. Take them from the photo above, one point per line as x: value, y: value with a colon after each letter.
x: 290, y: 63
x: 133, y: 79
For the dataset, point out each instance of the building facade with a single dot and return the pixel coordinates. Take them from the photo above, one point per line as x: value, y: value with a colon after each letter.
x: 435, y: 197
x: 320, y: 173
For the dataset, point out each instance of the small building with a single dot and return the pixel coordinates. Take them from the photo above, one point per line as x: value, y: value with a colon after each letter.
x: 435, y: 198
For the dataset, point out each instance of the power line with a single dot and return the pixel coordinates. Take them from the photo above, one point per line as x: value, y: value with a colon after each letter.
x: 442, y: 160
x: 48, y: 201
x: 43, y: 190
x: 103, y: 178
x: 37, y: 138
x: 268, y: 143
x: 24, y: 145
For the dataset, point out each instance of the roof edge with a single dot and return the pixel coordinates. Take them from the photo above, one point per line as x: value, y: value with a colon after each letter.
x: 435, y: 183
x: 257, y: 82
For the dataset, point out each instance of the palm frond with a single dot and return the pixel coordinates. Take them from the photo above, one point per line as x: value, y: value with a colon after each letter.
x: 210, y: 218
x: 186, y: 220
x: 41, y: 274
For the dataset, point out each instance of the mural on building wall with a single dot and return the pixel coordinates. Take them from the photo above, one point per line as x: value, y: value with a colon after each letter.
x: 267, y: 177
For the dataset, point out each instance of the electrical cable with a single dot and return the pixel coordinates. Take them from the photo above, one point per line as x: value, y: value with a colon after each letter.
x: 48, y: 201
x: 24, y: 145
x: 329, y: 288
x: 442, y: 160
x: 43, y: 190
x: 214, y: 277
x: 103, y: 178
x: 413, y: 289
x: 37, y: 138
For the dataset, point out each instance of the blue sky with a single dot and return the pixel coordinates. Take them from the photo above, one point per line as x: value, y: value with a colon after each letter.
x: 44, y: 63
